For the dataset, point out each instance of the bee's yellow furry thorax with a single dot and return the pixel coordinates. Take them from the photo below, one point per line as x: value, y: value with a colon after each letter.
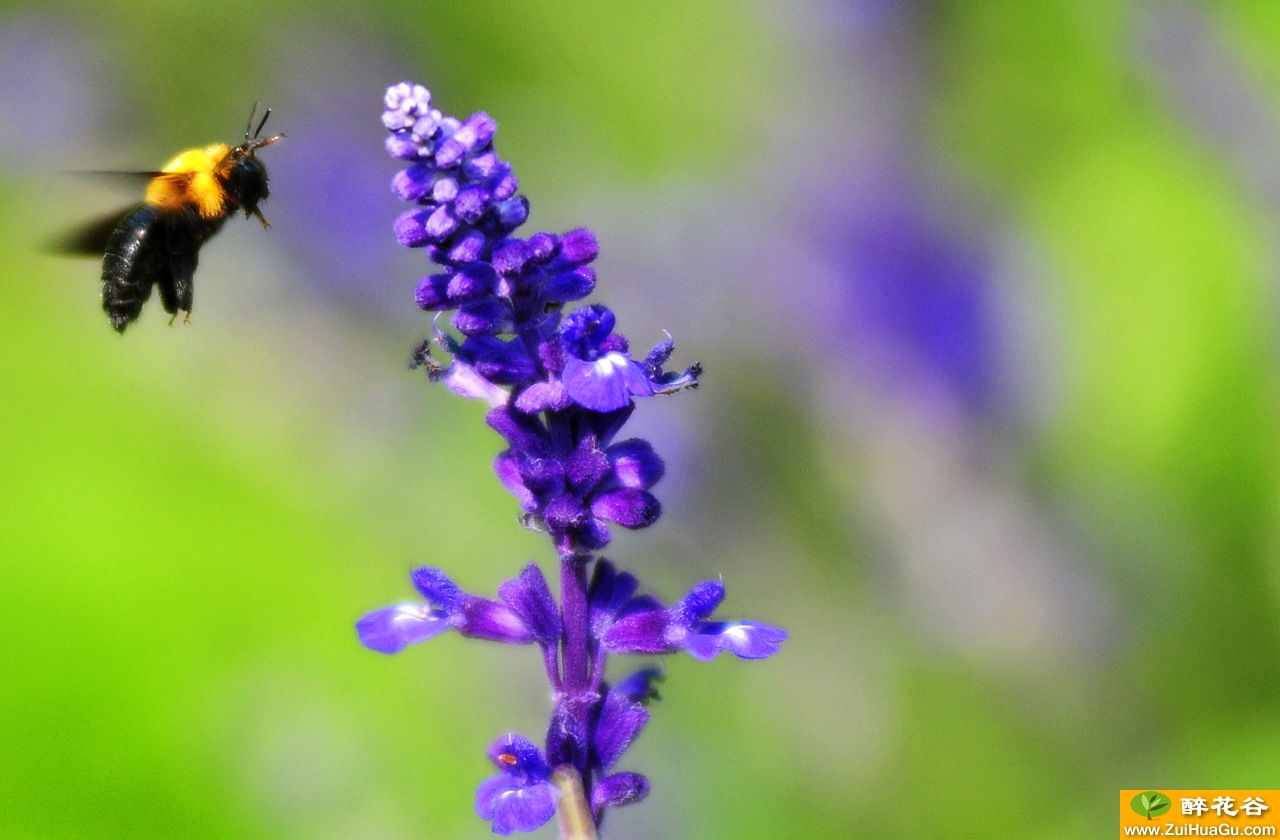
x: 189, y: 180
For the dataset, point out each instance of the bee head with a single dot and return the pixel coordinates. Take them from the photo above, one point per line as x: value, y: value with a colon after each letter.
x: 244, y: 175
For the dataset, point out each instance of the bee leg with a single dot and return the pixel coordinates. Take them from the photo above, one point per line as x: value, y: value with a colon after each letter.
x: 184, y: 251
x: 265, y: 224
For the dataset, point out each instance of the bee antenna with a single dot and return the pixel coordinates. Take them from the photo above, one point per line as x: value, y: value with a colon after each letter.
x: 258, y: 133
x: 249, y: 124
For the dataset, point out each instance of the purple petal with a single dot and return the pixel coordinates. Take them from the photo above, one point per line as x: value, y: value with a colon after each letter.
x: 508, y: 470
x: 569, y: 285
x: 531, y: 599
x: 411, y: 227
x: 543, y: 246
x: 513, y: 212
x: 503, y: 185
x: 466, y: 381
x: 476, y: 133
x: 501, y: 362
x: 583, y: 330
x: 745, y: 639
x: 433, y: 292
x: 481, y: 166
x: 629, y: 507
x: 440, y: 223
x: 472, y: 281
x: 621, y: 720
x: 511, y: 256
x: 517, y: 756
x: 658, y: 356
x: 586, y: 466
x: 639, y: 686
x: 543, y: 396
x: 413, y: 183
x: 566, y: 512
x: 402, y: 146
x: 512, y: 805
x: 579, y: 246
x: 614, y: 343
x: 436, y: 587
x: 641, y: 632
x: 468, y: 247
x: 636, y: 464
x: 444, y: 189
x: 523, y: 432
x: 391, y: 629
x: 543, y: 476
x: 701, y: 601
x: 485, y: 618
x: 471, y: 204
x: 618, y: 790
x: 610, y: 590
x: 484, y: 317
x: 606, y: 384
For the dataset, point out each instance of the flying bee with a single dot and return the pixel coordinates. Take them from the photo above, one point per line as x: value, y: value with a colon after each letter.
x: 157, y: 243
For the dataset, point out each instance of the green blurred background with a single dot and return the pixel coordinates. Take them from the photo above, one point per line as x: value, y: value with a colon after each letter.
x: 986, y: 297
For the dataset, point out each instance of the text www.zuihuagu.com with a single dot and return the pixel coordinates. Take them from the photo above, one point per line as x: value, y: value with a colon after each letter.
x: 1195, y: 830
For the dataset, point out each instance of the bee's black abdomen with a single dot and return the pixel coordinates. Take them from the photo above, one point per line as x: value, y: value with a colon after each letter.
x: 130, y: 265
x: 148, y: 248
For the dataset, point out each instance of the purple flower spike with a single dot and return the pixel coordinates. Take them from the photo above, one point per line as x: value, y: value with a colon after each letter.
x: 560, y: 386
x: 522, y: 798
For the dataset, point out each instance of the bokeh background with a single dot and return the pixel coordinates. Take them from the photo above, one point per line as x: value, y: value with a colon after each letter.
x: 986, y: 297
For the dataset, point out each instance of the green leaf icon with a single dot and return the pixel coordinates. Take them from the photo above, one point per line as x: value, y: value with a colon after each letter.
x: 1150, y: 804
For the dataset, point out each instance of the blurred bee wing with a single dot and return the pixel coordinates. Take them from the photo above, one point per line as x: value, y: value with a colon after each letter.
x: 120, y: 174
x: 90, y: 238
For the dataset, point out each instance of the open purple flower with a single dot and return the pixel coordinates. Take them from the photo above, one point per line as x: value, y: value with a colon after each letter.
x: 598, y: 374
x: 684, y: 627
x: 522, y: 797
x: 524, y: 613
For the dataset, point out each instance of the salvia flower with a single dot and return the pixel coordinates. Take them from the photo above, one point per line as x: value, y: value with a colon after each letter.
x: 522, y: 797
x: 560, y: 387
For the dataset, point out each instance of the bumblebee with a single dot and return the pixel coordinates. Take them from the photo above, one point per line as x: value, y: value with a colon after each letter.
x: 157, y: 243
